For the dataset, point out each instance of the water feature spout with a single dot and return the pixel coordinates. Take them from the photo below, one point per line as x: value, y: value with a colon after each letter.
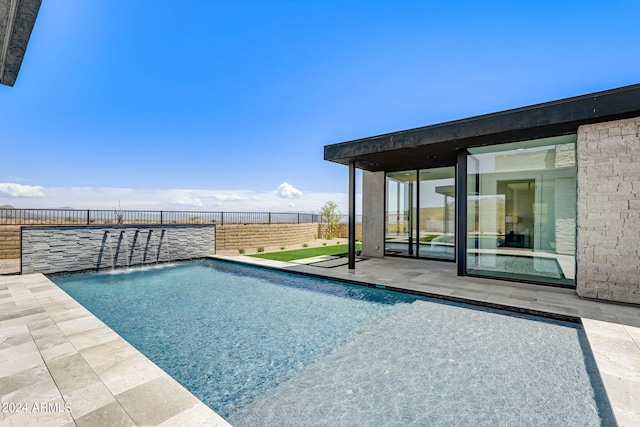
x: 165, y: 238
x: 146, y: 246
x: 133, y: 247
x: 158, y: 241
x: 107, y: 237
x: 121, y: 240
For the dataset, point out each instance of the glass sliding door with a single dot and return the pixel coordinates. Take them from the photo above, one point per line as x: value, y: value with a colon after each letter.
x: 436, y: 231
x: 400, y: 237
x: 420, y: 213
x: 521, y: 210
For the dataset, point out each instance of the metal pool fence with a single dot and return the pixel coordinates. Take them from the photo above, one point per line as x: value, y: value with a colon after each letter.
x: 10, y: 216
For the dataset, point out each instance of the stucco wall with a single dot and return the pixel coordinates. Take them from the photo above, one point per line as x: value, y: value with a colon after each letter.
x: 373, y: 214
x: 53, y: 249
x: 608, y: 241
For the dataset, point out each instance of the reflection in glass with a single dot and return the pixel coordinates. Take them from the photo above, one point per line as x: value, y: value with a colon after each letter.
x: 437, y: 213
x: 400, y: 235
x: 521, y: 208
x: 420, y: 213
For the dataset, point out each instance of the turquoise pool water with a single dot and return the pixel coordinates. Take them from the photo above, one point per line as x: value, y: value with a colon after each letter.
x: 270, y: 348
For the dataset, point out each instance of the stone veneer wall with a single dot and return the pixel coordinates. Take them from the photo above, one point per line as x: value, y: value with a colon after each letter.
x: 608, y: 242
x: 229, y: 237
x: 53, y: 249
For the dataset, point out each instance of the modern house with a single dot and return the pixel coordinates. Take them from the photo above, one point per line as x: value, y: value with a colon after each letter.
x: 547, y: 194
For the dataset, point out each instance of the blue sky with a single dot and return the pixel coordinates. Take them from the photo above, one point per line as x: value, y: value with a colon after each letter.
x: 227, y: 105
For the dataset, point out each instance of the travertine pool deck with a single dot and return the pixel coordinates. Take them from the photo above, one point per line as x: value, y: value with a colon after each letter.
x: 53, y: 352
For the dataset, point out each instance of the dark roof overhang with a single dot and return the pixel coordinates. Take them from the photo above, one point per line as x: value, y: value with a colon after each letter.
x: 17, y: 18
x: 437, y: 145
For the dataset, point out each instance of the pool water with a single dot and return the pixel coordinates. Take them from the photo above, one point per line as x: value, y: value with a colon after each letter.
x: 266, y: 348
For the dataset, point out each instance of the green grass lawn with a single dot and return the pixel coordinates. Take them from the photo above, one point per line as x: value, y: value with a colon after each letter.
x: 335, y: 250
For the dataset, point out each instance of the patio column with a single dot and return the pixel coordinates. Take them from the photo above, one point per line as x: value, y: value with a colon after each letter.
x: 461, y: 213
x: 352, y: 215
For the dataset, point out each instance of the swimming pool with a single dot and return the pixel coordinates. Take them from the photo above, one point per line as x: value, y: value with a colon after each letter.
x: 271, y: 348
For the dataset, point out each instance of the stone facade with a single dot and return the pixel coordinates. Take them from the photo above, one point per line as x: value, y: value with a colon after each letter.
x: 608, y: 241
x: 53, y: 249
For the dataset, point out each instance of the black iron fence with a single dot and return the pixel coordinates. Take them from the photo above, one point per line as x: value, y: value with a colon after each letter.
x: 104, y: 217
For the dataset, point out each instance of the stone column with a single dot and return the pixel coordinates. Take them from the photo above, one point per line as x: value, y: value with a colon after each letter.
x: 608, y: 212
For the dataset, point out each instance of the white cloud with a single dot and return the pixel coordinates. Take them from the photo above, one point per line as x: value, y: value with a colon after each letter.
x: 229, y: 197
x: 187, y: 201
x: 20, y: 190
x: 287, y: 191
x: 177, y: 199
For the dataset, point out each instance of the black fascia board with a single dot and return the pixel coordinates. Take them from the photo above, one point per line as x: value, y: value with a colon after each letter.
x: 16, y: 28
x: 438, y: 144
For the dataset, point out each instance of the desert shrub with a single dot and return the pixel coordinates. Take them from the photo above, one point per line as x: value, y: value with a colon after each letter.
x: 330, y: 217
